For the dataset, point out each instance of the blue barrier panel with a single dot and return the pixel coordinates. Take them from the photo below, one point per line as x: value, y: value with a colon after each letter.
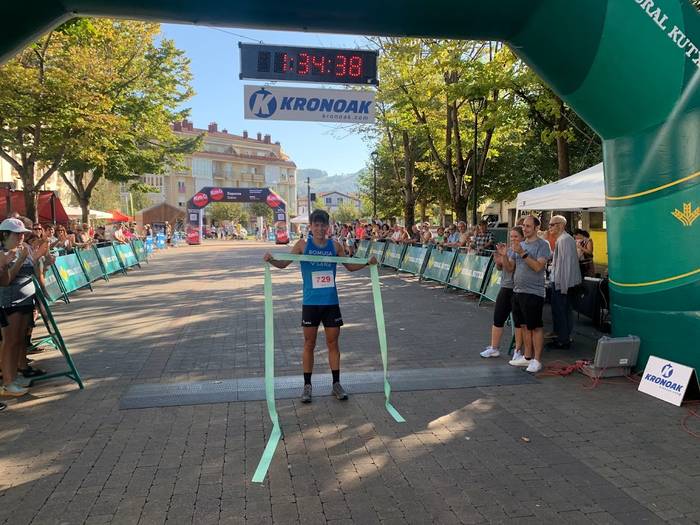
x: 393, y: 255
x: 160, y: 241
x: 91, y: 264
x: 414, y: 259
x: 377, y: 249
x: 439, y: 265
x: 149, y: 245
x: 71, y: 273
x: 109, y: 260
x: 469, y: 272
x: 126, y: 255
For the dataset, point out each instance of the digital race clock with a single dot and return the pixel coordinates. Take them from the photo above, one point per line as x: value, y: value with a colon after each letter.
x: 305, y: 64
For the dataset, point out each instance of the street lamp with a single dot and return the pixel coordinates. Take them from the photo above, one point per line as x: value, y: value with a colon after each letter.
x: 374, y: 156
x: 477, y: 105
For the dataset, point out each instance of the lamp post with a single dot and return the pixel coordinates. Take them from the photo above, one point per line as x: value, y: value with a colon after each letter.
x: 374, y: 156
x: 308, y: 196
x: 477, y: 105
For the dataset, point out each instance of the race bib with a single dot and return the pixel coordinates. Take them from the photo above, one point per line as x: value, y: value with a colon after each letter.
x: 322, y: 279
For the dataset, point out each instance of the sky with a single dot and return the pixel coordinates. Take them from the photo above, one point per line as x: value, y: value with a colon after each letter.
x: 214, y: 57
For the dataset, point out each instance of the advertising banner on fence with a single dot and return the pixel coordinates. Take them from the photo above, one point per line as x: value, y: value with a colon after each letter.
x: 91, y: 264
x: 414, y: 259
x: 109, y: 259
x: 126, y: 255
x: 53, y: 289
x: 377, y: 249
x: 469, y: 272
x: 71, y: 272
x: 392, y: 256
x: 310, y: 105
x: 439, y: 264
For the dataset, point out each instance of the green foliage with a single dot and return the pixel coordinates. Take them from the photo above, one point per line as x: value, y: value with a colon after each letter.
x: 95, y: 97
x: 228, y: 211
x: 346, y: 212
x: 105, y: 196
x: 259, y: 209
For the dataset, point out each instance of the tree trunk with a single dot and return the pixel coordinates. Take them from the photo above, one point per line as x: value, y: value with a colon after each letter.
x: 409, y: 209
x: 409, y: 213
x: 30, y: 193
x: 85, y: 209
x: 460, y: 204
x: 424, y: 210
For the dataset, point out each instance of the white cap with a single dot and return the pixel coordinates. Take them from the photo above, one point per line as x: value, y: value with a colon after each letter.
x: 14, y: 225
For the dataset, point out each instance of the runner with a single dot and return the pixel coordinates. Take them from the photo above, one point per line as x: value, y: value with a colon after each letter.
x: 320, y: 303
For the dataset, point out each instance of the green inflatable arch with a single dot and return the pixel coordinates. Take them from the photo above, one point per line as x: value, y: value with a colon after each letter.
x: 630, y: 68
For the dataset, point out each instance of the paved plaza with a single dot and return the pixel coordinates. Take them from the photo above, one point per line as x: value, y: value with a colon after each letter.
x: 549, y: 451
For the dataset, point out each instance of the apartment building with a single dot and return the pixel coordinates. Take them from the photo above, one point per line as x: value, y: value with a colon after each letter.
x: 333, y: 199
x: 226, y: 160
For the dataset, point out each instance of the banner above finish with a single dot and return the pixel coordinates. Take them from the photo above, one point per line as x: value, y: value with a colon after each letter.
x: 311, y: 105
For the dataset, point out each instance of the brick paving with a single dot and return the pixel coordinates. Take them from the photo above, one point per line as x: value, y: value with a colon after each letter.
x: 603, y: 455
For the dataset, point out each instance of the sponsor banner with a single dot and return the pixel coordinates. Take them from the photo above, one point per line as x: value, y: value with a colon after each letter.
x: 362, y: 249
x: 139, y: 250
x: 667, y: 380
x: 310, y: 105
x: 126, y: 255
x: 91, y: 264
x: 439, y: 265
x: 413, y: 260
x: 392, y: 255
x: 469, y: 272
x: 109, y: 259
x: 52, y: 287
x: 493, y: 283
x: 70, y: 272
x: 377, y: 249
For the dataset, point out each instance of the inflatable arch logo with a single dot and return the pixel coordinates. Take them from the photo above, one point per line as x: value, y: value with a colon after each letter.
x: 630, y: 68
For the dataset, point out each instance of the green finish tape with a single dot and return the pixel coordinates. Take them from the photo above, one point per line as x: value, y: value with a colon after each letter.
x: 276, y: 433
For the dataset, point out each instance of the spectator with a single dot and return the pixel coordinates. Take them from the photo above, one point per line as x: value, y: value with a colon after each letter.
x: 100, y: 235
x: 439, y: 238
x: 415, y: 236
x: 17, y: 300
x: 451, y: 235
x: 65, y: 241
x: 504, y: 300
x: 385, y: 232
x: 584, y: 249
x: 82, y: 239
x: 529, y: 258
x: 50, y: 234
x: 426, y: 235
x: 483, y: 240
x: 118, y: 234
x: 565, y: 276
x: 460, y: 237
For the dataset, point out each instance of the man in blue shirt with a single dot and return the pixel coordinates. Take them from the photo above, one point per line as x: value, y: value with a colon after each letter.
x: 320, y: 303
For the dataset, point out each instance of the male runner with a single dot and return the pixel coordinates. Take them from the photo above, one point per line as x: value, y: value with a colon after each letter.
x: 320, y: 303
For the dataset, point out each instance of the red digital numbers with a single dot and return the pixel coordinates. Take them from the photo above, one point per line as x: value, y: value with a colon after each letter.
x: 341, y: 66
x: 304, y: 65
x: 285, y: 63
x: 355, y: 69
x: 319, y: 63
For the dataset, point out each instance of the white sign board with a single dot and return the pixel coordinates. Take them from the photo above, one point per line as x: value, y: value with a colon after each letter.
x: 311, y: 105
x: 666, y: 380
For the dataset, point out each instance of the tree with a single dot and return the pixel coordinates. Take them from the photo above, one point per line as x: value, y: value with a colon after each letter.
x: 346, y: 212
x: 143, y: 98
x: 138, y: 192
x: 105, y: 196
x: 227, y: 211
x: 258, y: 209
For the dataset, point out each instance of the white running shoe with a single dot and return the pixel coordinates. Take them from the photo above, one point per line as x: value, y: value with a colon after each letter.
x: 13, y: 390
x: 534, y: 366
x: 490, y: 352
x: 518, y: 360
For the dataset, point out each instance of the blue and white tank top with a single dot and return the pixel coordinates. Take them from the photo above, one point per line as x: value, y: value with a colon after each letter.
x: 319, y: 278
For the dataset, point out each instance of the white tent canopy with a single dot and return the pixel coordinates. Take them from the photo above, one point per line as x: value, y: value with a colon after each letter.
x: 583, y: 191
x: 75, y: 211
x: 301, y: 219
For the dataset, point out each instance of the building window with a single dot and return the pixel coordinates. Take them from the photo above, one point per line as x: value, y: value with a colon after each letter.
x: 181, y: 187
x: 181, y: 204
x: 329, y: 200
x: 340, y: 200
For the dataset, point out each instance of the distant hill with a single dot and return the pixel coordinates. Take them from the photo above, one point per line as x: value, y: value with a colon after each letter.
x: 322, y: 182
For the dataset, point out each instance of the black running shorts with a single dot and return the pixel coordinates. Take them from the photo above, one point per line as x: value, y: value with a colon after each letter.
x: 329, y: 315
x: 504, y: 305
x: 527, y: 310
